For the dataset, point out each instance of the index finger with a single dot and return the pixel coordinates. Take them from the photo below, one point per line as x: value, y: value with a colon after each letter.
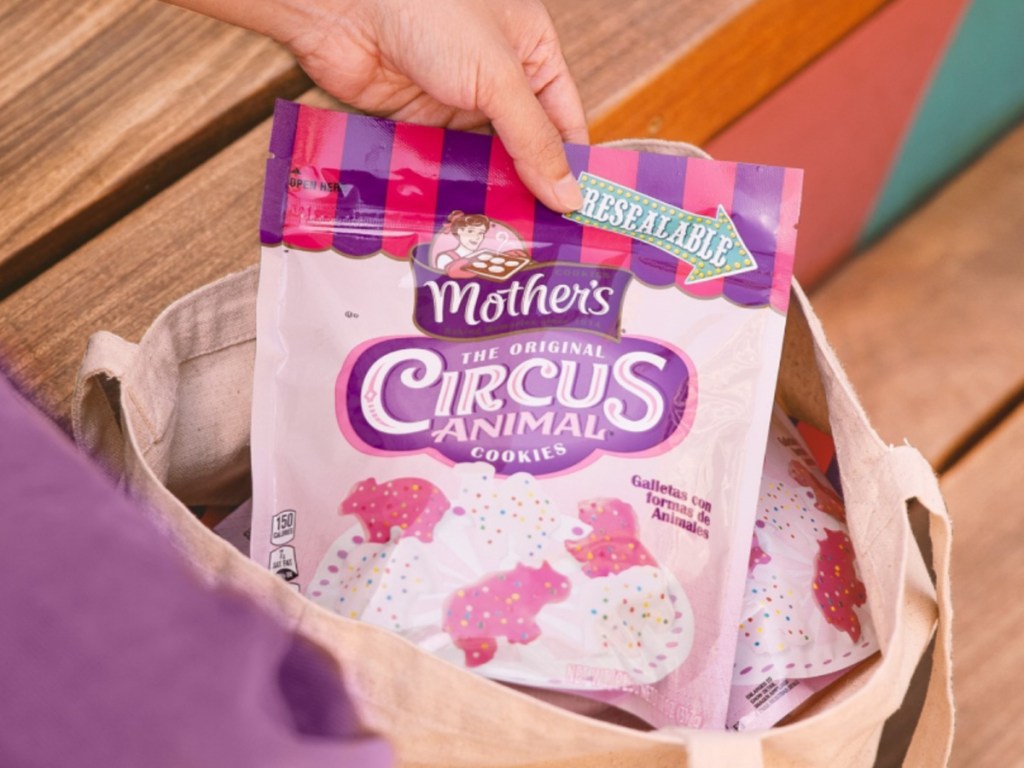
x: 531, y: 138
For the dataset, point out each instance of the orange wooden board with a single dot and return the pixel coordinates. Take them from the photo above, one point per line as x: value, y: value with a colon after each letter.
x: 685, y: 70
x: 101, y: 102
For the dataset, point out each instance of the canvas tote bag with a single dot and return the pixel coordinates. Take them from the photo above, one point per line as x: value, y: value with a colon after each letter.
x: 170, y: 417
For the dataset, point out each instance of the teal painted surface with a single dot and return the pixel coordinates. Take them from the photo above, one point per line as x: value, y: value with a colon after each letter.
x: 976, y: 94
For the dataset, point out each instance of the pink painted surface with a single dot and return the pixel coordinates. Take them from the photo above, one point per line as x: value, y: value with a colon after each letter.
x: 843, y: 120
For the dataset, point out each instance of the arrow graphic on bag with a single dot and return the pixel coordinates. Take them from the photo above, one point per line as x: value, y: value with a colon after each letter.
x: 711, y: 245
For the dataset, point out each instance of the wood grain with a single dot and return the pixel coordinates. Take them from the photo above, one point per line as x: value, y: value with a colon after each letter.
x: 112, y: 101
x: 685, y: 70
x: 201, y: 228
x: 613, y: 47
x: 984, y: 499
x: 928, y: 321
x: 104, y: 102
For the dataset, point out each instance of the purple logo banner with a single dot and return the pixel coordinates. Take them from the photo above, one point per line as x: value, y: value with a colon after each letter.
x: 539, y: 403
x: 556, y: 295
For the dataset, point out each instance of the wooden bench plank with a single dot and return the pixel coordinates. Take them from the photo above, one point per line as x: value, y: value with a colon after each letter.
x: 927, y: 322
x: 103, y: 103
x: 201, y: 228
x: 152, y: 90
x: 983, y: 494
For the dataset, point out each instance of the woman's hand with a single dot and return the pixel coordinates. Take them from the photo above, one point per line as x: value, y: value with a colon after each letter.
x: 455, y: 63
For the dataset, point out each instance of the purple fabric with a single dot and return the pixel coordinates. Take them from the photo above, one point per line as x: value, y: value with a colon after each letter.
x: 112, y: 653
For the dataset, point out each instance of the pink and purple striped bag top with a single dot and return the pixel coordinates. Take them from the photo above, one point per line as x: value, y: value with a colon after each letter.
x: 530, y: 443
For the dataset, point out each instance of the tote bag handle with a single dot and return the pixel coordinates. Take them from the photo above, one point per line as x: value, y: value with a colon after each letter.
x: 933, y: 737
x: 96, y: 403
x: 932, y: 740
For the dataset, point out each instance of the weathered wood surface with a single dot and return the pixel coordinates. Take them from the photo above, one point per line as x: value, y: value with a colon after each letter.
x: 114, y: 100
x: 984, y: 498
x: 101, y: 102
x: 202, y: 228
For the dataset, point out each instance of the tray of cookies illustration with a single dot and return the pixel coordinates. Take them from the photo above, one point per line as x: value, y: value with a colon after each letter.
x: 496, y: 266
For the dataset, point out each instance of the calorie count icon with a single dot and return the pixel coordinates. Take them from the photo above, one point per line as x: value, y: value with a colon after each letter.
x: 283, y: 561
x: 282, y: 527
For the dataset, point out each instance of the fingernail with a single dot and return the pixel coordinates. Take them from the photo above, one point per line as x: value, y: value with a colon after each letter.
x: 567, y: 192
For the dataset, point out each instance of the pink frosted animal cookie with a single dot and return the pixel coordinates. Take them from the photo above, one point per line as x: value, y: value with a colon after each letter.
x: 412, y: 504
x: 504, y: 604
x: 612, y: 546
x: 836, y: 586
x: 757, y: 556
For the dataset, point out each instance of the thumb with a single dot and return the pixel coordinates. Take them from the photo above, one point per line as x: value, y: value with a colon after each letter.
x: 531, y: 139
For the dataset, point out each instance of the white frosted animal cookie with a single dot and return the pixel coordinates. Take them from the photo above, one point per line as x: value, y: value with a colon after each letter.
x: 498, y: 523
x: 804, y: 612
x: 635, y: 612
x: 411, y: 587
x: 633, y: 627
x: 349, y: 573
x: 373, y: 518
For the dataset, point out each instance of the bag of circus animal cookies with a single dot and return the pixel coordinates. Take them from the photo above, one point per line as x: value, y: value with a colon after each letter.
x: 529, y: 443
x: 804, y: 621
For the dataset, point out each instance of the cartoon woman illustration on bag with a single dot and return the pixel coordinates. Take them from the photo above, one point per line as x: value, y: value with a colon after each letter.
x: 483, y: 248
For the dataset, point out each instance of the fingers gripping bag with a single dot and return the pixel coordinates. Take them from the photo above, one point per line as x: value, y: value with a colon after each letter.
x: 529, y: 443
